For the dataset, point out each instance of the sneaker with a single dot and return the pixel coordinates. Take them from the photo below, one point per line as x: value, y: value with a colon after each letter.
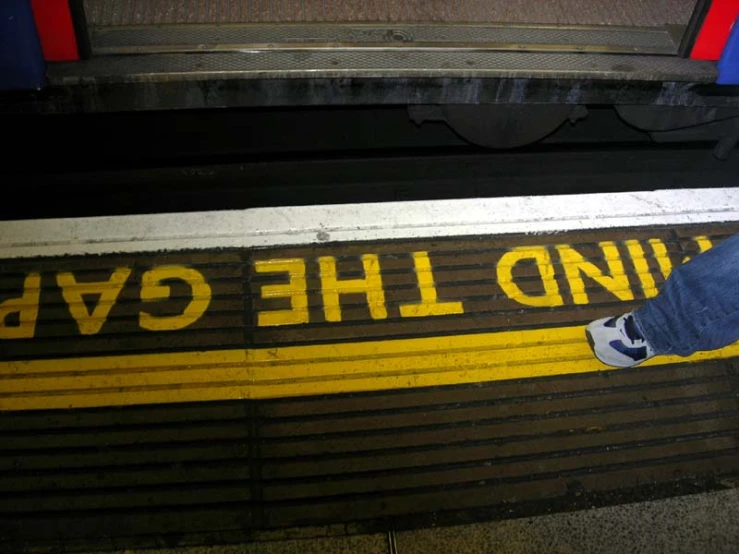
x: 617, y: 341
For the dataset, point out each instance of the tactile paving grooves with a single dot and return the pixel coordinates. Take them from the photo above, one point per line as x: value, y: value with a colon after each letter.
x: 325, y: 319
x: 181, y: 474
x: 334, y: 451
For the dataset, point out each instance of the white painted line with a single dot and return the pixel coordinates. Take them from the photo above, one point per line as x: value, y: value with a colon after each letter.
x: 265, y: 227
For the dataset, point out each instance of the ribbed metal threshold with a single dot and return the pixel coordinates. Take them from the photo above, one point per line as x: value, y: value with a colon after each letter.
x: 636, y: 13
x: 380, y: 64
x: 446, y: 37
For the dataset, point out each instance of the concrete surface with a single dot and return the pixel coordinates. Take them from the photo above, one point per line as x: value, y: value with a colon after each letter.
x: 694, y: 524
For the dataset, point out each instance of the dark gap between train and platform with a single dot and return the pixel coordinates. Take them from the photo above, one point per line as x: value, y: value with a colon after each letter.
x: 240, y: 181
x: 186, y: 139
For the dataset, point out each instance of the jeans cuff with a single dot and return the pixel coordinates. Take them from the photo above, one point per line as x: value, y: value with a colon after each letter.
x: 645, y: 331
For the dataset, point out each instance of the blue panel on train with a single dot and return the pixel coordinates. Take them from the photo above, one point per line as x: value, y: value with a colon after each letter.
x: 728, y: 65
x: 21, y: 60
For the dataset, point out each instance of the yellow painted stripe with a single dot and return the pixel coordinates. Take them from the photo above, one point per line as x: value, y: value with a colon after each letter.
x: 302, y: 370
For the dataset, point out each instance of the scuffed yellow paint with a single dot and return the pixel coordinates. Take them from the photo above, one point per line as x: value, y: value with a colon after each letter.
x: 371, y: 286
x: 575, y: 265
x: 540, y: 255
x: 26, y: 306
x: 296, y: 289
x: 152, y: 290
x: 303, y: 370
x: 429, y: 305
x: 90, y: 322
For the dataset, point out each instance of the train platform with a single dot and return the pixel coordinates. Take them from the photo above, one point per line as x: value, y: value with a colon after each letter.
x: 334, y: 371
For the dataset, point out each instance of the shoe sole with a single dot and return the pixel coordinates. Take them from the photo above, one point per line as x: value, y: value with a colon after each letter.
x: 591, y: 342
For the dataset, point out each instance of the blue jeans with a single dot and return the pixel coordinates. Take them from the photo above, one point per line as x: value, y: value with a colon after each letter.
x: 698, y: 307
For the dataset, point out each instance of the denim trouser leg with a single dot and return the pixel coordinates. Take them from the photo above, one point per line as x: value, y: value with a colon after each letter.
x: 698, y: 307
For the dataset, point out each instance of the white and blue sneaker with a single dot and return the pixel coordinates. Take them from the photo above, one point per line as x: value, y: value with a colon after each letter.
x: 617, y: 341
